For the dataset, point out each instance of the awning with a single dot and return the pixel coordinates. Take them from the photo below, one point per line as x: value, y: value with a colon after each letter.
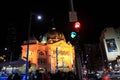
x: 17, y: 63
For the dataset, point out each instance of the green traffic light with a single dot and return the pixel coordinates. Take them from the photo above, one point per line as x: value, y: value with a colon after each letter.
x: 73, y: 34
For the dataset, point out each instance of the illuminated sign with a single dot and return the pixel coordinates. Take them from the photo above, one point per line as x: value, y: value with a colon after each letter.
x: 111, y: 45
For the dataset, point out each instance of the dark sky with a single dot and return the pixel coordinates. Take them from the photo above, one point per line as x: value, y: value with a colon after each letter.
x: 94, y: 16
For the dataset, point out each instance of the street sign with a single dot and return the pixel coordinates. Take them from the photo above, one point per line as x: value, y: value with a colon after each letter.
x: 72, y: 16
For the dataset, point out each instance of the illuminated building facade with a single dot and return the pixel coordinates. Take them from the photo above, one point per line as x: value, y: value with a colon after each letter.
x: 51, y: 53
x: 110, y: 46
x: 110, y: 41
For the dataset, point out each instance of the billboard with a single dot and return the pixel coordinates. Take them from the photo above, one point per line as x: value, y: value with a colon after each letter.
x: 111, y: 45
x: 111, y: 48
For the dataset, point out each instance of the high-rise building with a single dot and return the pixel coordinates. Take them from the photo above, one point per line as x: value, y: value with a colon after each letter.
x: 11, y: 42
x: 110, y: 44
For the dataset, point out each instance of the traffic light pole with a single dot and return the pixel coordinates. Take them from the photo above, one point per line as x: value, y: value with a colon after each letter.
x: 78, y: 62
x: 73, y: 18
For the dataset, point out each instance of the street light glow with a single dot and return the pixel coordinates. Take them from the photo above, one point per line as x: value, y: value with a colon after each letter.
x: 39, y: 17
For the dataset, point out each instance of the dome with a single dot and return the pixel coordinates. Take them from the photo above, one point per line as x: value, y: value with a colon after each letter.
x: 53, y: 36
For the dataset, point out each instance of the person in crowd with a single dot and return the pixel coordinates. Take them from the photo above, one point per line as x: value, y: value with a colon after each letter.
x: 14, y: 76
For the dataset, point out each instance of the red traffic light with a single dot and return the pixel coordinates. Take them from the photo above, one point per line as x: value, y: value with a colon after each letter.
x: 77, y: 26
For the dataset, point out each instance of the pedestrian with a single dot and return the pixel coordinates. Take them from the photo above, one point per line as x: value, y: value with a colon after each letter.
x: 14, y: 76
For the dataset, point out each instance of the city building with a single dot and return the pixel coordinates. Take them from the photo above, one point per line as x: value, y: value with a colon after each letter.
x: 10, y: 44
x: 110, y: 45
x: 92, y: 57
x: 51, y: 53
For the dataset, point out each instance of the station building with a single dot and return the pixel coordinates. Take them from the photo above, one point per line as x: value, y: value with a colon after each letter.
x: 51, y: 53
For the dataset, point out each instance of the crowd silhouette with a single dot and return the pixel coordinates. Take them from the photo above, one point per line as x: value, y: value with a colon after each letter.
x: 37, y: 75
x: 56, y: 76
x: 14, y: 76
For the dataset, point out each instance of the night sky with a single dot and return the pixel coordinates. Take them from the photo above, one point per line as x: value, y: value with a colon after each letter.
x: 94, y: 16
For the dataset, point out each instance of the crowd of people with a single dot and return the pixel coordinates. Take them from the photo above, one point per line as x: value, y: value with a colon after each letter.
x: 46, y: 76
x: 14, y: 76
x: 56, y: 76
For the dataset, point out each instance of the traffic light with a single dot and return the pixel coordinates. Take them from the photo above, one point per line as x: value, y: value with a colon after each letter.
x: 77, y: 26
x: 73, y: 34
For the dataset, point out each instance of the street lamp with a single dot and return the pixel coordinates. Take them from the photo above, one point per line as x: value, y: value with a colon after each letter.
x: 28, y: 41
x: 39, y: 17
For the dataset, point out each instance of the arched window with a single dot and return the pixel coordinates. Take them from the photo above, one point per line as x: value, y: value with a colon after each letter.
x: 41, y: 53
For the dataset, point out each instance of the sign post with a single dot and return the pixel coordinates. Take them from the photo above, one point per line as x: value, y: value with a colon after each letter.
x: 72, y: 16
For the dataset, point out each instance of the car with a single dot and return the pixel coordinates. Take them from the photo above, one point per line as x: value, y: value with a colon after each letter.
x: 115, y: 75
x: 91, y: 77
x: 99, y: 74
